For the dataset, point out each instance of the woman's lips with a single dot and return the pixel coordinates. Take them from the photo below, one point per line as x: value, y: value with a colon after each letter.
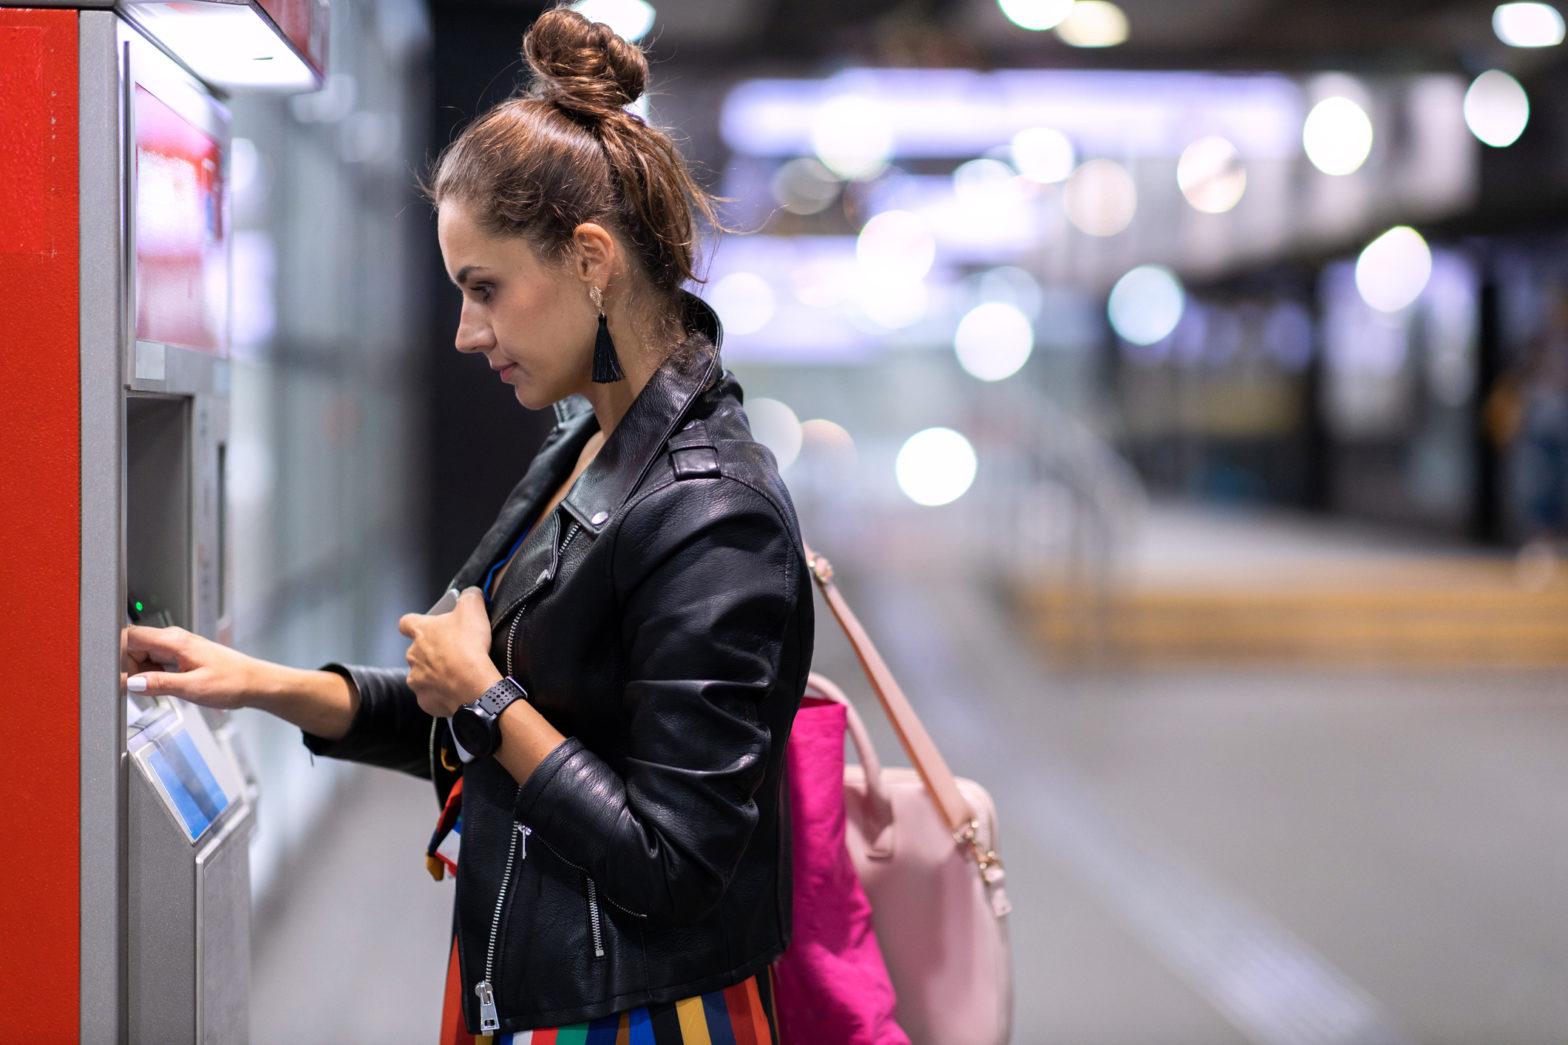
x: 507, y: 370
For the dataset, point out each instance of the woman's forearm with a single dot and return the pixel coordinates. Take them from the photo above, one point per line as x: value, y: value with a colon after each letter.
x: 319, y: 702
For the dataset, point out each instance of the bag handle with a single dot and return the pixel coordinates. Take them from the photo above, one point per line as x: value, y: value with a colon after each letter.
x: 918, y: 745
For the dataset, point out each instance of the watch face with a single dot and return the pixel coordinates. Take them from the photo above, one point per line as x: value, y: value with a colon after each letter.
x: 472, y: 730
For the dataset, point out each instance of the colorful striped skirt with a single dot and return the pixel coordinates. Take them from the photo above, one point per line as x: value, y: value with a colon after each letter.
x: 738, y: 1015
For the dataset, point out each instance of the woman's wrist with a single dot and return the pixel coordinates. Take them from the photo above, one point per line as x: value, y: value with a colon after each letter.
x: 322, y: 703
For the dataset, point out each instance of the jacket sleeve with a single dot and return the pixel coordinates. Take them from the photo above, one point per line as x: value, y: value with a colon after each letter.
x: 707, y: 581
x: 389, y: 728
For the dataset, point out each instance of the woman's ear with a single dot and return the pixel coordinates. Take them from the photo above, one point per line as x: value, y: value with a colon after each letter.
x: 594, y: 253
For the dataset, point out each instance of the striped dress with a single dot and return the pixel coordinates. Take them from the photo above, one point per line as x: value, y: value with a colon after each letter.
x: 738, y: 1015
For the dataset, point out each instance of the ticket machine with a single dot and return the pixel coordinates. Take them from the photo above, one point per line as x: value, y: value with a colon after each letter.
x: 127, y: 917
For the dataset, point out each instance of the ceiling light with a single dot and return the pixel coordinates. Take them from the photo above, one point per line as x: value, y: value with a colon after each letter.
x: 1528, y: 25
x: 1337, y: 136
x: 1094, y: 23
x: 993, y: 341
x: 1146, y: 304
x: 1100, y: 198
x: 775, y: 426
x: 1394, y: 269
x: 631, y: 19
x: 805, y: 186
x: 1496, y: 108
x: 1043, y: 154
x: 1035, y: 14
x: 853, y: 137
x: 744, y: 300
x: 896, y: 245
x: 1211, y: 175
x: 935, y: 466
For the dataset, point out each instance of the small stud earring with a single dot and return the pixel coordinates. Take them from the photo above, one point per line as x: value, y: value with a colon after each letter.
x: 606, y: 366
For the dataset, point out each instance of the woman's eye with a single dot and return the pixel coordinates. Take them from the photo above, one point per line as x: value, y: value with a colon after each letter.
x: 482, y: 292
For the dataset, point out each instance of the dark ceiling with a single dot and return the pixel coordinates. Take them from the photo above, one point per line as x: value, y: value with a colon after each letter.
x: 721, y: 36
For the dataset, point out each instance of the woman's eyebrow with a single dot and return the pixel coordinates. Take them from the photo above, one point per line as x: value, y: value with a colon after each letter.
x: 463, y: 273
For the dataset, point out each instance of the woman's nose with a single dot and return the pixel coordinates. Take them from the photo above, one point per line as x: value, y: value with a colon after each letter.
x: 473, y: 334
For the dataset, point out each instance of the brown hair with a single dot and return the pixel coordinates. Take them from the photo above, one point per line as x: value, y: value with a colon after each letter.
x: 568, y: 152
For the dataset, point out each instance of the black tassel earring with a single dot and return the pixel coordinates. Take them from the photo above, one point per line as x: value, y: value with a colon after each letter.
x: 606, y: 367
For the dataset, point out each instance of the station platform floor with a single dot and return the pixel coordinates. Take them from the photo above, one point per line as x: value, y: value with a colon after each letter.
x: 1296, y: 853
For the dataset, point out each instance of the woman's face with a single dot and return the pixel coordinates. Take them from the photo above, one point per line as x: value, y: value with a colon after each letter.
x: 533, y: 322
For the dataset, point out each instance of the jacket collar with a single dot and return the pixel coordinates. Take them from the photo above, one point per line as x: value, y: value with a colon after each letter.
x: 649, y: 422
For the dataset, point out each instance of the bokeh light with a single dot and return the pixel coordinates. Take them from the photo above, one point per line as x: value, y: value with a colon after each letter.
x: 1100, y: 198
x: 1146, y: 304
x: 1496, y: 108
x: 631, y: 19
x: 1394, y: 269
x: 1337, y: 136
x: 828, y: 439
x: 1043, y: 154
x: 1211, y: 175
x: 1008, y: 284
x: 988, y: 192
x: 893, y: 303
x: 935, y: 466
x: 853, y: 137
x: 1093, y: 23
x: 993, y: 341
x: 1528, y: 25
x: 1036, y: 14
x: 744, y: 301
x: 805, y: 186
x: 895, y: 246
x: 776, y: 427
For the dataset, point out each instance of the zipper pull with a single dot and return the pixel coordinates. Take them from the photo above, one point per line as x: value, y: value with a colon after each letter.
x: 489, y: 1019
x: 524, y: 831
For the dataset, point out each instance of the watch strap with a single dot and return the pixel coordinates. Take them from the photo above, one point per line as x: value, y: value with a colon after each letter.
x: 499, y: 697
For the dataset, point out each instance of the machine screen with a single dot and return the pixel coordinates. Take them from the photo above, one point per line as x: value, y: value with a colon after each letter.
x: 185, y: 777
x: 182, y: 296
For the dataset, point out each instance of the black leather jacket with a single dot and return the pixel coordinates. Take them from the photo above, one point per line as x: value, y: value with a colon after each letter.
x: 661, y: 619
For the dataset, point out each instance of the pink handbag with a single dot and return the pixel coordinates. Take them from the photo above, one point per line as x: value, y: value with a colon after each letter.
x: 923, y: 844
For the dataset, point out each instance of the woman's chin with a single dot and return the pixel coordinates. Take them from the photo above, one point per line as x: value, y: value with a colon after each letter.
x: 531, y: 398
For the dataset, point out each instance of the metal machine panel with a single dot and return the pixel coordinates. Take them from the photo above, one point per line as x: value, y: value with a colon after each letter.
x: 102, y: 595
x: 223, y: 937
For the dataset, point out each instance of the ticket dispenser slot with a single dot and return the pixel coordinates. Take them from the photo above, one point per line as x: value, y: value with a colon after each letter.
x: 158, y: 509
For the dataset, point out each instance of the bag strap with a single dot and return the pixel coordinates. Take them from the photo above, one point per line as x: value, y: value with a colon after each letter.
x: 927, y: 760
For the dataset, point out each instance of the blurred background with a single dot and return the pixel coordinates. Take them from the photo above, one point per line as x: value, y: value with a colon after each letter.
x: 1180, y: 390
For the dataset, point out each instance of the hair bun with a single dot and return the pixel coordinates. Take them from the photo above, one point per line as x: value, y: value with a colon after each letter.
x: 584, y: 67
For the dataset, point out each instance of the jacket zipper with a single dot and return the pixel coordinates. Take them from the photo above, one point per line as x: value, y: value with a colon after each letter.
x: 511, y: 632
x: 593, y: 918
x: 489, y: 1018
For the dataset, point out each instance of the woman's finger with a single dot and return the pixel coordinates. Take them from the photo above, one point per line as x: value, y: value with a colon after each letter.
x: 158, y: 683
x: 162, y: 643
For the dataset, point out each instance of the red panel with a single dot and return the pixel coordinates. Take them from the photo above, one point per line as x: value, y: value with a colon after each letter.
x: 40, y: 524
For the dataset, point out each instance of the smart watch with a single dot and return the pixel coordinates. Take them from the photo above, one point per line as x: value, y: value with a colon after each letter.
x: 477, y: 726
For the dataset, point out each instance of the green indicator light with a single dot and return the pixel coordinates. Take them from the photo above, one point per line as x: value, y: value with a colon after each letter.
x: 138, y: 607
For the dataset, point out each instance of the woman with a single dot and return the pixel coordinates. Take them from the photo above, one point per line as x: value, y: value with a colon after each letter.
x: 634, y: 631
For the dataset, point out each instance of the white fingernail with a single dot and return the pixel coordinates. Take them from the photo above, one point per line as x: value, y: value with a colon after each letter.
x: 136, y: 684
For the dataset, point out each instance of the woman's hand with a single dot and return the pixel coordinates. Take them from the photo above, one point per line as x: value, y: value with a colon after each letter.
x: 175, y: 662
x: 449, y: 662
